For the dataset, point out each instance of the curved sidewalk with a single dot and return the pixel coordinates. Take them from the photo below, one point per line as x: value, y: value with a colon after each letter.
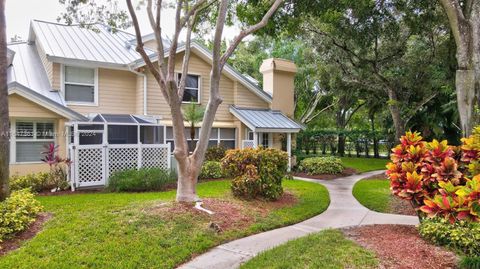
x: 344, y: 210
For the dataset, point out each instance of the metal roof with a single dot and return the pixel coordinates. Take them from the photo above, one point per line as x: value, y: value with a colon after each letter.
x: 123, y: 119
x: 265, y: 120
x: 98, y: 44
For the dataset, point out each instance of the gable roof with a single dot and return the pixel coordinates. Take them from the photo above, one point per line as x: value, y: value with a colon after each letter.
x: 27, y: 77
x: 266, y: 120
x: 99, y: 45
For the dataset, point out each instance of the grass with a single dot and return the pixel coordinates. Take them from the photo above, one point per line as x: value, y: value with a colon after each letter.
x: 363, y: 165
x: 110, y: 230
x: 327, y: 249
x: 373, y: 194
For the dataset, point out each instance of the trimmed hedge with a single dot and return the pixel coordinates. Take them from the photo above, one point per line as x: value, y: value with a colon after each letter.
x: 17, y: 212
x: 461, y: 236
x: 256, y: 172
x: 211, y: 169
x: 36, y: 182
x: 321, y: 165
x: 133, y: 180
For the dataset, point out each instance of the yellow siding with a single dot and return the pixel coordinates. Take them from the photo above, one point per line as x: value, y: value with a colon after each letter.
x: 139, y: 95
x: 21, y: 107
x: 46, y: 64
x: 116, y: 93
x: 246, y: 98
x: 56, y: 78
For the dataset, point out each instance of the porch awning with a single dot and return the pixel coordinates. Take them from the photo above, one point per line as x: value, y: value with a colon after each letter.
x: 266, y: 120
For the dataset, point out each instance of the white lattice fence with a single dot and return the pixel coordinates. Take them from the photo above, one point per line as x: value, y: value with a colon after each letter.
x: 121, y: 157
x: 94, y: 164
x: 89, y: 168
x: 248, y: 144
x: 156, y: 156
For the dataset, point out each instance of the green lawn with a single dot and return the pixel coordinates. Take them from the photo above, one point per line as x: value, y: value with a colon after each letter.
x: 327, y: 249
x: 373, y: 194
x: 113, y: 230
x: 365, y: 164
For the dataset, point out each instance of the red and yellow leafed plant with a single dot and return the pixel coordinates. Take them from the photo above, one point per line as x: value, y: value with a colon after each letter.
x: 438, y: 179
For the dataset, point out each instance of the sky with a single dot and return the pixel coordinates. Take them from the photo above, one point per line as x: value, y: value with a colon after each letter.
x: 19, y: 13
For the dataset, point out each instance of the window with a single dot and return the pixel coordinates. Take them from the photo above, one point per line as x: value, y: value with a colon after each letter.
x: 122, y: 134
x: 80, y: 85
x: 192, y: 89
x: 265, y: 140
x: 218, y: 136
x: 30, y: 139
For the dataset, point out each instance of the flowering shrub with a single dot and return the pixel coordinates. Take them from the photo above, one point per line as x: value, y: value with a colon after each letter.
x: 215, y: 153
x: 17, y: 212
x: 256, y: 172
x: 59, y: 167
x: 438, y: 179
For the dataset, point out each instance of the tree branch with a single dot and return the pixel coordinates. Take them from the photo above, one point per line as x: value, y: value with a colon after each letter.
x: 418, y: 107
x: 251, y: 29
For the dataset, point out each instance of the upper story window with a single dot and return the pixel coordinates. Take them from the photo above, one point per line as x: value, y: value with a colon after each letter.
x: 80, y: 85
x: 192, y: 89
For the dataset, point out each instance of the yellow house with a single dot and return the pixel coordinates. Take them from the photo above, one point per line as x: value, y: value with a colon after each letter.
x: 87, y: 91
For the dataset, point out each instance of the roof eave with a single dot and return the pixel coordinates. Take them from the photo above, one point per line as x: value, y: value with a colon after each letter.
x: 85, y: 63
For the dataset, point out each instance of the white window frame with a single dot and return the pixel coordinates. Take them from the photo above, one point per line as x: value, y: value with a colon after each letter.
x: 14, y: 140
x: 95, y: 85
x: 199, y: 101
x: 270, y: 139
x: 218, y: 138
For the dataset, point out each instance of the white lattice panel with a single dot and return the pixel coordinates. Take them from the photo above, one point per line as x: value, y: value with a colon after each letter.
x: 248, y: 144
x: 155, y: 157
x: 122, y: 158
x: 89, y: 166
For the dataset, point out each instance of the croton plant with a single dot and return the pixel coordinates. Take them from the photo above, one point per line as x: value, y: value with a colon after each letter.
x: 438, y: 179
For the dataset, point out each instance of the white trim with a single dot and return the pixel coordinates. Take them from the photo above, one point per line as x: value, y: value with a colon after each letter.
x: 200, y: 88
x: 95, y: 86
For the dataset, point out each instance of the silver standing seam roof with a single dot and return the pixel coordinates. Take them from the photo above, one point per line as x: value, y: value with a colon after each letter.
x: 96, y: 45
x: 266, y: 120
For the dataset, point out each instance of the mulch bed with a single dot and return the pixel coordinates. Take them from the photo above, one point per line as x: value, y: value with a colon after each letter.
x: 345, y: 173
x: 16, y: 241
x: 401, y: 207
x: 400, y: 246
x: 228, y: 213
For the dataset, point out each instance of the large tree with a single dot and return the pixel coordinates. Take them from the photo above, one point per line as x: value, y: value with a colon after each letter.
x: 4, y: 120
x: 464, y: 19
x: 187, y: 14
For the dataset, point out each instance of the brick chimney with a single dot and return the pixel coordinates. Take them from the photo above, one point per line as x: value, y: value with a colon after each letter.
x: 278, y: 81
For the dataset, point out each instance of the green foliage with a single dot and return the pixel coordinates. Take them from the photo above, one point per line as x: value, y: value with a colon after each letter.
x: 211, y: 169
x: 374, y: 194
x: 256, y: 172
x: 470, y: 262
x: 321, y: 165
x: 461, y: 236
x: 215, y: 153
x: 17, y: 212
x: 133, y: 180
x: 36, y: 182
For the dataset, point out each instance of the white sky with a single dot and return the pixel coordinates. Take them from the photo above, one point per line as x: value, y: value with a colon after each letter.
x: 19, y: 13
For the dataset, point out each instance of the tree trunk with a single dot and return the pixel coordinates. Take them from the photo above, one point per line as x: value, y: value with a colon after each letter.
x: 341, y: 144
x: 4, y: 116
x: 396, y: 115
x: 465, y: 88
x: 187, y: 181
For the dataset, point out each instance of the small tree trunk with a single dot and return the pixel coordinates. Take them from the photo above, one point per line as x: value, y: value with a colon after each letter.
x: 4, y: 116
x: 187, y: 181
x: 341, y: 144
x: 465, y: 87
x: 396, y: 115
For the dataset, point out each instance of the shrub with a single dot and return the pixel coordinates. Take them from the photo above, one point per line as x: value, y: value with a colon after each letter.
x: 133, y: 180
x: 256, y: 172
x: 17, y: 212
x: 438, y: 179
x: 36, y: 182
x: 211, y: 169
x: 59, y: 167
x: 461, y: 236
x: 321, y: 165
x: 215, y: 153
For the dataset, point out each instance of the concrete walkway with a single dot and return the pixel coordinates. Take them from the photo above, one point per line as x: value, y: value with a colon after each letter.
x: 344, y: 210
